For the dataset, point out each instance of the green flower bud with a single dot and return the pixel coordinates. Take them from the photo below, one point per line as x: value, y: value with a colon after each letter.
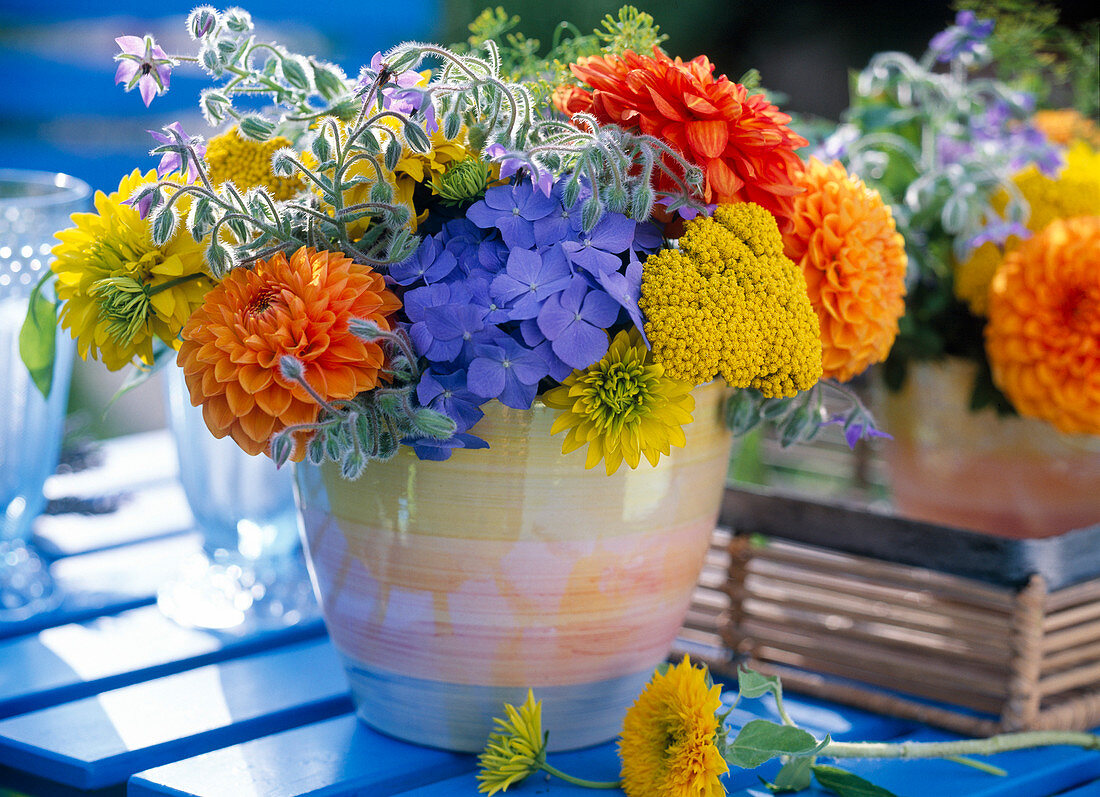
x: 433, y: 424
x: 330, y: 80
x: 256, y: 127
x: 295, y: 72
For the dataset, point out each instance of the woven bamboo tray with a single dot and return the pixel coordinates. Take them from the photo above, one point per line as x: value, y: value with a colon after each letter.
x: 965, y: 631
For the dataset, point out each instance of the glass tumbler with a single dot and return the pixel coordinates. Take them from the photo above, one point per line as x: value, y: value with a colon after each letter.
x: 33, y: 206
x: 251, y: 573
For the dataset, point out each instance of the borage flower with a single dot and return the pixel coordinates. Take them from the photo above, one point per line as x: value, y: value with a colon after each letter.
x: 143, y: 64
x: 965, y: 39
x: 174, y: 160
x: 668, y: 745
x: 119, y: 291
x: 299, y: 306
x: 742, y: 142
x: 853, y: 258
x: 622, y: 407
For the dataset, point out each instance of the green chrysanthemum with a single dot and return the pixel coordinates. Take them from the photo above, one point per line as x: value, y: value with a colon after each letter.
x: 622, y: 407
x: 516, y: 750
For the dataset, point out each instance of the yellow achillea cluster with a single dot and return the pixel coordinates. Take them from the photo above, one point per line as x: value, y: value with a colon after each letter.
x: 1074, y: 192
x: 729, y: 302
x: 119, y: 291
x: 1043, y: 335
x: 1066, y: 125
x: 247, y: 164
x: 668, y: 746
x: 844, y: 237
x: 622, y: 407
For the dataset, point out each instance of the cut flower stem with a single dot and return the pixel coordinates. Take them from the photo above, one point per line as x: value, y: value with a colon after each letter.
x: 1001, y: 743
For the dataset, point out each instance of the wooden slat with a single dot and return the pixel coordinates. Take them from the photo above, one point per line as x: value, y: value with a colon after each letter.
x: 303, y: 762
x: 100, y: 741
x: 71, y: 661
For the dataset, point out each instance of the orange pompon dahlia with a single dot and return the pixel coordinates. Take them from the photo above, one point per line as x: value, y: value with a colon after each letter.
x: 845, y: 239
x: 742, y: 143
x: 1043, y: 335
x: 299, y: 306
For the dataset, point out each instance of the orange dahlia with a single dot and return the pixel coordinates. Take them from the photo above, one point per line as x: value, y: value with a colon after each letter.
x: 742, y: 143
x: 1043, y: 335
x: 233, y: 343
x: 844, y: 237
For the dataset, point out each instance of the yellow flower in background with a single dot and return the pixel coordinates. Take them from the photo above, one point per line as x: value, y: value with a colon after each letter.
x: 622, y: 407
x: 118, y: 291
x: 247, y: 163
x: 1043, y: 335
x: 1074, y: 192
x: 416, y: 168
x: 515, y: 750
x: 668, y: 746
x: 1066, y: 125
x: 844, y: 237
x: 729, y: 302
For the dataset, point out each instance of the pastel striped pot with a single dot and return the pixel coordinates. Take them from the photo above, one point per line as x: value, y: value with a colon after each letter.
x: 451, y: 587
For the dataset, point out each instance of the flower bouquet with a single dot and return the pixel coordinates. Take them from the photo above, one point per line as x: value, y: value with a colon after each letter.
x: 451, y: 286
x: 999, y: 204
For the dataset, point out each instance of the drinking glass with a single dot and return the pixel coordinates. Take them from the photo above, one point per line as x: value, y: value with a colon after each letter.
x: 33, y: 206
x: 251, y: 573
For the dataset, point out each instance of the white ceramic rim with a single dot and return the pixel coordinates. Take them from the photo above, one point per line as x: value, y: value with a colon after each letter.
x: 67, y: 189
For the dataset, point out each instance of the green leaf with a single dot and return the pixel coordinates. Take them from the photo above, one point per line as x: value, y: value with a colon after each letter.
x: 845, y: 784
x: 752, y: 684
x: 38, y: 337
x: 794, y: 776
x: 761, y: 740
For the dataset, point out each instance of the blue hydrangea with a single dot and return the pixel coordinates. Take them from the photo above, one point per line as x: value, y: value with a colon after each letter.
x: 513, y: 293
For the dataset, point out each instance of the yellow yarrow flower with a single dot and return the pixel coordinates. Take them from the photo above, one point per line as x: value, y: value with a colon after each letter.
x: 247, y: 164
x: 622, y: 407
x: 515, y: 750
x: 728, y: 301
x: 668, y: 745
x: 1074, y: 192
x: 118, y: 291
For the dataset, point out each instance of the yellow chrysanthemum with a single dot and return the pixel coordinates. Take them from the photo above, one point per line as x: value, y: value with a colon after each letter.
x: 417, y: 168
x: 844, y: 237
x: 729, y: 302
x: 668, y: 746
x: 622, y: 407
x: 247, y: 163
x: 117, y: 289
x: 1043, y: 335
x: 1066, y: 125
x: 1074, y: 192
x: 515, y: 750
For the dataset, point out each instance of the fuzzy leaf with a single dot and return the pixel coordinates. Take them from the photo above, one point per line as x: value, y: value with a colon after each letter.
x: 751, y: 684
x: 164, y: 223
x: 845, y: 784
x: 416, y: 137
x: 38, y: 338
x: 393, y: 154
x: 794, y: 776
x: 761, y: 740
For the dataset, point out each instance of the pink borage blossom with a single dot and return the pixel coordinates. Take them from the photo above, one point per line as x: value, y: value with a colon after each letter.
x: 144, y: 64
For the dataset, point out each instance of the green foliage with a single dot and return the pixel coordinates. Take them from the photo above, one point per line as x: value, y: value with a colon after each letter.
x: 1034, y: 53
x: 795, y: 775
x: 845, y: 784
x: 761, y: 740
x: 38, y: 337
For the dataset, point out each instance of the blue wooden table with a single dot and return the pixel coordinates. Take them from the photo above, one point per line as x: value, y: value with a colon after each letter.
x: 106, y: 696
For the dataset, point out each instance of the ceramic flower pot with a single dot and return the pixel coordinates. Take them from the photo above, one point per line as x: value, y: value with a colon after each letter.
x: 451, y: 587
x: 1011, y: 476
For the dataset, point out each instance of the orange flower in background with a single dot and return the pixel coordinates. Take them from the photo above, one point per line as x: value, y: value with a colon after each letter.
x: 1066, y: 125
x: 742, y: 143
x: 232, y: 344
x: 1043, y: 335
x: 845, y: 239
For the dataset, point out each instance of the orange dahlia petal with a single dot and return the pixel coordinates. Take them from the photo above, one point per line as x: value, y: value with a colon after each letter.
x: 299, y: 306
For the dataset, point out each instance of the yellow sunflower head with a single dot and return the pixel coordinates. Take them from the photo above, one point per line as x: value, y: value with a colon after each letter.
x: 119, y: 291
x: 622, y: 406
x: 515, y: 750
x: 668, y: 746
